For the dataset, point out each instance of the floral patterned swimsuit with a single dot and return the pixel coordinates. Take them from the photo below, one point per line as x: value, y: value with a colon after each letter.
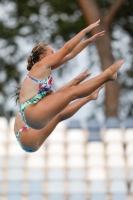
x: 44, y: 87
x: 25, y: 128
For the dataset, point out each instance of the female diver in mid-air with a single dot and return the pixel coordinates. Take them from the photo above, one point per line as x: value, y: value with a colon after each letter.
x: 39, y: 106
x: 32, y: 139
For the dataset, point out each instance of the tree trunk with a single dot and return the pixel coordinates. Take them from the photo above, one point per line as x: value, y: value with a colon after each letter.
x: 92, y: 13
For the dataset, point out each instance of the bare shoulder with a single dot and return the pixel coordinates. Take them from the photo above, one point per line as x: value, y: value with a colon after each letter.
x: 40, y: 71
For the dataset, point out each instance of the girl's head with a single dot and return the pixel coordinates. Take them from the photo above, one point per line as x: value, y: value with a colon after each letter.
x: 38, y: 52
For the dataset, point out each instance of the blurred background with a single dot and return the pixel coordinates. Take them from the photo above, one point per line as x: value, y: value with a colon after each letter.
x: 90, y: 156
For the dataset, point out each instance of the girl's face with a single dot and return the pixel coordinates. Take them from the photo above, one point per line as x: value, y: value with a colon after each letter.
x: 49, y: 51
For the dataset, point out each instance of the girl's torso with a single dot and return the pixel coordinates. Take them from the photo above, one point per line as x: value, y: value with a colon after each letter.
x: 30, y: 88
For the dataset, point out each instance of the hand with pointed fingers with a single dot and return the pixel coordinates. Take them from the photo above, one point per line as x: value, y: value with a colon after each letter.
x: 97, y: 35
x: 83, y: 75
x: 90, y: 27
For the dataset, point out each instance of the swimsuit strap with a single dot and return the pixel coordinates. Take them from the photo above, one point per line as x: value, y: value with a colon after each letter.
x: 39, y: 82
x: 33, y: 79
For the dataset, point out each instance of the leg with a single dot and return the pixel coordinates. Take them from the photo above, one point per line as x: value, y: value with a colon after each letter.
x: 40, y: 114
x: 72, y: 108
x: 77, y: 80
x: 37, y: 137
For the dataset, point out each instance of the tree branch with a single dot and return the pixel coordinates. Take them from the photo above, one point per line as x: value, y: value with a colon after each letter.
x: 90, y: 10
x: 112, y: 12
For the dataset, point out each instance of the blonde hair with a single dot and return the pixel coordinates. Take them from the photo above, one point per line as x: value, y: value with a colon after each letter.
x: 34, y: 57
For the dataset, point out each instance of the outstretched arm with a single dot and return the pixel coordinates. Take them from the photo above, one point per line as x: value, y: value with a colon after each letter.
x: 78, y: 49
x: 55, y: 58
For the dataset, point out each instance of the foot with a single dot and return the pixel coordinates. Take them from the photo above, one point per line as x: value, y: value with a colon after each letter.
x: 94, y: 95
x: 113, y: 69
